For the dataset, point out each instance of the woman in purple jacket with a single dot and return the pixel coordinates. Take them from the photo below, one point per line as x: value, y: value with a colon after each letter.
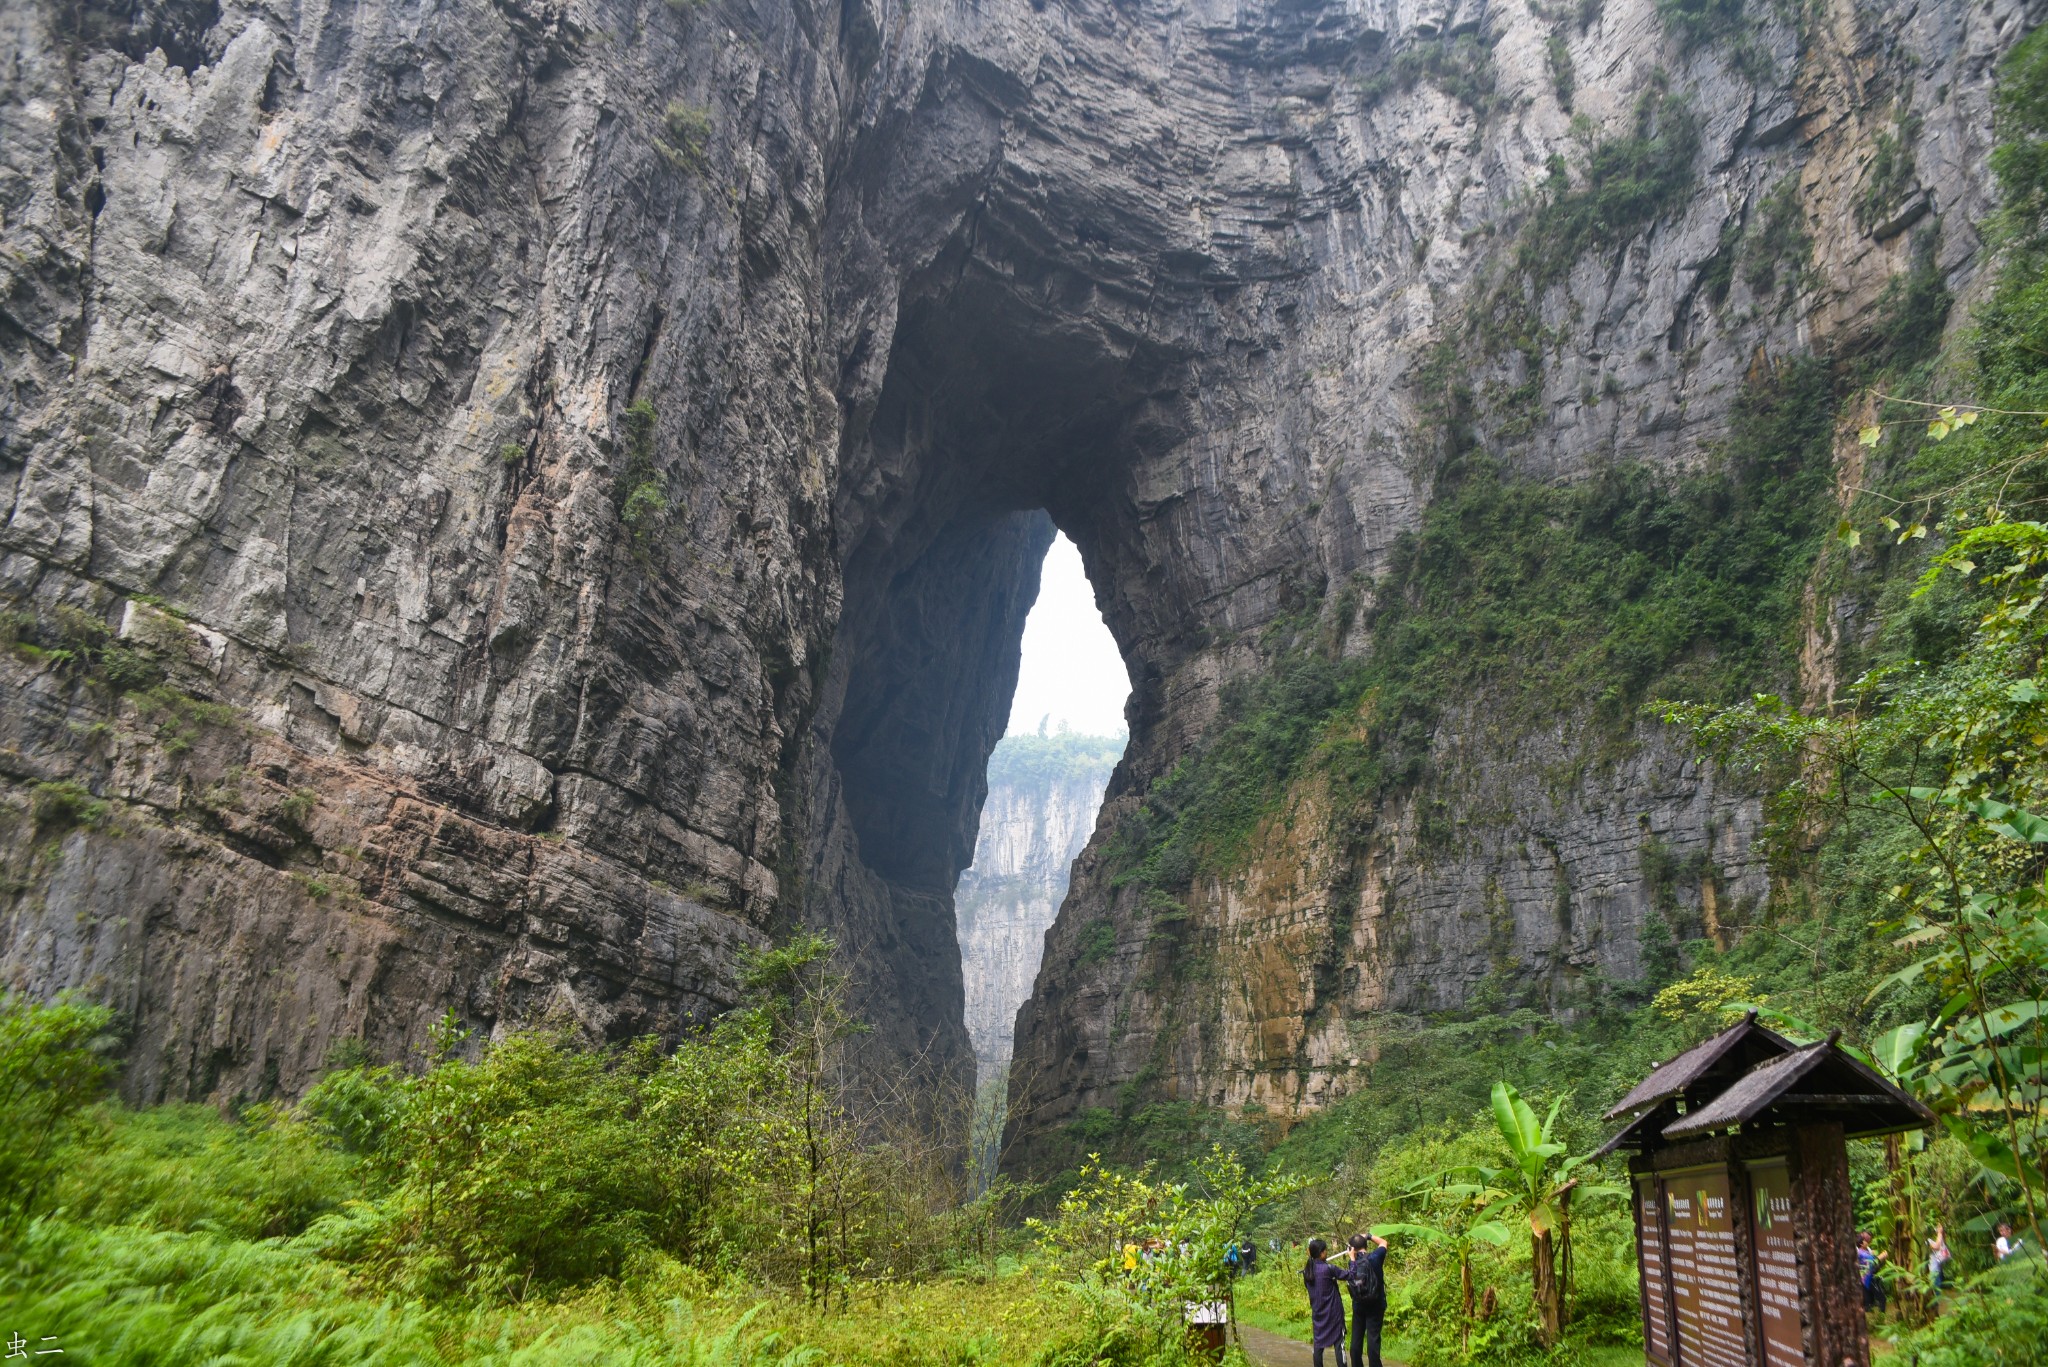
x: 1325, y: 1301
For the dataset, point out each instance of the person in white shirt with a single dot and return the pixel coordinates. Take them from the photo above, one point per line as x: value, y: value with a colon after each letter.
x: 1937, y: 1258
x: 2007, y: 1245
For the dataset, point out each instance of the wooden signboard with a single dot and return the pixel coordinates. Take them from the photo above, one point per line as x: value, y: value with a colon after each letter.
x: 1655, y: 1269
x: 1744, y: 1223
x: 1781, y: 1327
x: 1706, y: 1274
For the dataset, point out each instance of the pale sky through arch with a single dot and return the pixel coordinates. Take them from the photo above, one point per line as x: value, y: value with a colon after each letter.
x: 1072, y: 672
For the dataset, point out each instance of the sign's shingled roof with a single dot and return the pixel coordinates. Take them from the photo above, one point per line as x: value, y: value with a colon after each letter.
x: 1838, y: 1087
x: 1732, y: 1052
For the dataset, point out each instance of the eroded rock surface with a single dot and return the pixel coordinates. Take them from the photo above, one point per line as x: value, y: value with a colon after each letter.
x: 1043, y: 793
x: 578, y: 471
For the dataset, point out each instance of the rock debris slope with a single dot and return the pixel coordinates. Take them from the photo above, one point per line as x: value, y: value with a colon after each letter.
x: 510, y: 503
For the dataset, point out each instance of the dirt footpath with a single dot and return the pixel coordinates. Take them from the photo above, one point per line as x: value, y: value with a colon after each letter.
x: 1267, y: 1349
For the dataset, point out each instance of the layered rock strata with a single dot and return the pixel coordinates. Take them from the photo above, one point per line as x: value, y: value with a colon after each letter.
x: 1043, y: 793
x: 510, y: 502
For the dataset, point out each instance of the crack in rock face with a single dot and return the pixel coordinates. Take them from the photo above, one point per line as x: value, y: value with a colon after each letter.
x: 512, y: 504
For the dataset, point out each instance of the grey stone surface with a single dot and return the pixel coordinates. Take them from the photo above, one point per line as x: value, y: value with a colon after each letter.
x: 1033, y: 824
x: 320, y: 325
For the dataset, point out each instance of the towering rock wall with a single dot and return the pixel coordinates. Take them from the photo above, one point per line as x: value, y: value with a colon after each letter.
x: 1043, y: 793
x: 509, y: 502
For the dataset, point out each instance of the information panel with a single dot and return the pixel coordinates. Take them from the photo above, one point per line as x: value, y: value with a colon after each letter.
x: 1777, y: 1264
x: 1706, y: 1285
x: 1650, y: 1244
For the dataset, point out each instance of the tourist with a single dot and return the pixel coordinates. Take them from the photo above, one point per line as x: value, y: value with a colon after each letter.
x: 1867, y: 1260
x: 1937, y: 1259
x: 2007, y: 1245
x: 1368, y: 1280
x: 1325, y: 1302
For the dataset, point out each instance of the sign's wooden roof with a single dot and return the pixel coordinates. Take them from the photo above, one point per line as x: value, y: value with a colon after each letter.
x: 1705, y: 1068
x: 1818, y: 1082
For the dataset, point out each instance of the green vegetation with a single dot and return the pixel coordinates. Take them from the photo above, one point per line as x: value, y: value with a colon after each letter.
x: 1626, y: 185
x: 51, y: 1067
x: 81, y: 645
x: 688, y: 127
x: 1613, y: 591
x: 134, y: 667
x: 1891, y: 175
x: 1043, y: 761
x: 1697, y: 23
x: 1724, y: 24
x: 642, y: 503
x: 1461, y: 67
x: 1778, y: 242
x: 1563, y: 78
x: 738, y: 1202
x: 1098, y: 941
x: 730, y: 1204
x: 63, y: 805
x: 1148, y: 1247
x: 1908, y: 823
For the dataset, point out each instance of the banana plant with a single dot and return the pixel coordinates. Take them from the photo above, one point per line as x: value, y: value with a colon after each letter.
x: 1462, y: 1207
x: 1540, y: 1189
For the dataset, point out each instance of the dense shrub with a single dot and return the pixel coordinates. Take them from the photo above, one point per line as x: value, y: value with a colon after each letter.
x: 52, y: 1066
x: 184, y: 1168
x: 2000, y: 1319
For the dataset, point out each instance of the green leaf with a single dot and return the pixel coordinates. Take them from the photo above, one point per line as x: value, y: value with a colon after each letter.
x: 1428, y: 1233
x: 1905, y: 977
x: 1869, y: 435
x: 1895, y: 1050
x: 2026, y: 690
x: 1491, y: 1233
x: 2002, y: 1021
x: 1937, y: 430
x: 2011, y: 822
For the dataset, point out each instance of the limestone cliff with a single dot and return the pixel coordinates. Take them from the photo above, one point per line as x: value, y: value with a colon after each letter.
x: 1043, y: 793
x: 509, y: 502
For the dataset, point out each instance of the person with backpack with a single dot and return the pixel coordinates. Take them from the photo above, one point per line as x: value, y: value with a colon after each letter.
x: 1367, y: 1277
x: 1325, y: 1301
x: 1869, y: 1272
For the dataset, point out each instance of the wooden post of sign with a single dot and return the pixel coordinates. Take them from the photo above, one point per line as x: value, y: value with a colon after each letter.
x: 1741, y: 1197
x: 1652, y: 1245
x: 1825, y: 1221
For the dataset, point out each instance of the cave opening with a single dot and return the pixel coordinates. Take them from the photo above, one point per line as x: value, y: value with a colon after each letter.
x: 1013, y: 406
x: 1046, y: 780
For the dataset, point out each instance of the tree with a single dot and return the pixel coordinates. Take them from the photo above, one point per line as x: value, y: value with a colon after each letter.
x: 1539, y: 1187
x: 1181, y: 1233
x: 1953, y: 754
x: 53, y: 1065
x: 1461, y: 1206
